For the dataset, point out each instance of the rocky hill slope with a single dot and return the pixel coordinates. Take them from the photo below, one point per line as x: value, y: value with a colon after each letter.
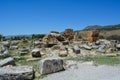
x: 108, y: 32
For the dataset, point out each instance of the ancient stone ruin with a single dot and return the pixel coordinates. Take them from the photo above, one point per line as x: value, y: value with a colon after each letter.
x: 29, y: 59
x: 93, y: 36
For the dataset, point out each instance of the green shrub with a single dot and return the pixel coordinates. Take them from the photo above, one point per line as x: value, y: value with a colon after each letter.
x: 113, y: 37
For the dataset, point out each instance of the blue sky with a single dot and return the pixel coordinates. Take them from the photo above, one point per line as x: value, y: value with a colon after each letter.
x: 41, y: 16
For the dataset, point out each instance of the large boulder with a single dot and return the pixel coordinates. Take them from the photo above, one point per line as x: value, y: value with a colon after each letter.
x: 7, y: 61
x: 50, y: 65
x: 36, y: 52
x: 17, y: 73
x: 76, y: 49
x: 5, y: 54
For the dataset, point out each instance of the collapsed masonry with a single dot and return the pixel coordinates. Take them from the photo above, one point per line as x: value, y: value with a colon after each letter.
x: 69, y: 35
x: 92, y: 36
x: 56, y: 37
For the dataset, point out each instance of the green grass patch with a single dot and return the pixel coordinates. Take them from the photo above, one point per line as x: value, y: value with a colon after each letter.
x: 106, y: 60
x: 79, y: 58
x: 98, y: 59
x: 23, y: 45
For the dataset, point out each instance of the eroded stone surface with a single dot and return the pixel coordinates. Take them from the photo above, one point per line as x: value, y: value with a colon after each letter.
x: 7, y: 61
x: 17, y: 73
x: 50, y: 65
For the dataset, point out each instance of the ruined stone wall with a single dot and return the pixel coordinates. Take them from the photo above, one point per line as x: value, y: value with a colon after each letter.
x: 92, y: 36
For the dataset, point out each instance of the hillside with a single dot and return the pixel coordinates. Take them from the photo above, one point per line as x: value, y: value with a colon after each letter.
x: 106, y: 28
x: 108, y: 32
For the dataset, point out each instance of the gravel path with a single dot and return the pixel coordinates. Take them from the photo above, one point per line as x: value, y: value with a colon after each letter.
x: 86, y: 71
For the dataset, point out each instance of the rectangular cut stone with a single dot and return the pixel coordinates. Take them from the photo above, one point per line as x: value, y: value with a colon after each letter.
x: 50, y: 65
x: 17, y: 73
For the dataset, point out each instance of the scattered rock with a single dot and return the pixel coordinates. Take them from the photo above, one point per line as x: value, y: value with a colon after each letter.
x: 2, y: 48
x: 50, y: 65
x: 5, y: 54
x: 64, y: 48
x: 17, y: 73
x: 13, y: 47
x: 7, y: 61
x: 76, y: 49
x: 14, y: 42
x: 110, y: 50
x: 71, y: 65
x: 36, y: 52
x: 97, y: 42
x: 36, y: 42
x: 6, y: 44
x: 95, y: 47
x: 102, y: 46
x: 63, y: 53
x: 24, y: 51
x: 56, y: 47
x: 118, y: 46
x: 17, y: 58
x: 101, y: 50
x: 87, y: 47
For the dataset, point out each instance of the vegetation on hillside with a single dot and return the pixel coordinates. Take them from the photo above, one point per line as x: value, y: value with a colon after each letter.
x: 113, y: 37
x: 100, y: 28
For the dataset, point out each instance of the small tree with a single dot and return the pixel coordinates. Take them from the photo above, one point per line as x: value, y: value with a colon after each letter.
x: 37, y: 36
x: 101, y: 37
x: 114, y: 37
x: 1, y: 37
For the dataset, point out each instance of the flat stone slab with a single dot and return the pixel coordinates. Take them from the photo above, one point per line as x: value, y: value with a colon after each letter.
x: 17, y: 73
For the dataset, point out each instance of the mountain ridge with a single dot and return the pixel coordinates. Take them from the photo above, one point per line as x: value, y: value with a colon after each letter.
x: 107, y: 28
